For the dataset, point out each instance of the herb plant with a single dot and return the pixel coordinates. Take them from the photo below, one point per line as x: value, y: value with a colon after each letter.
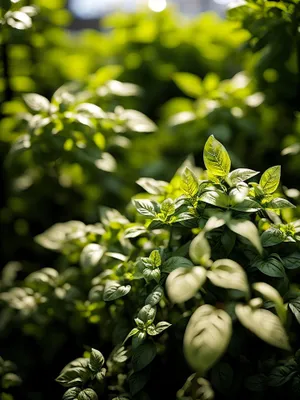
x: 206, y: 266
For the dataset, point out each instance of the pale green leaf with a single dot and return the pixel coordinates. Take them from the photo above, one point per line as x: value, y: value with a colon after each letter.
x: 91, y: 255
x: 264, y: 324
x: 240, y: 175
x: 228, y: 274
x: 248, y: 230
x: 200, y: 251
x: 183, y: 283
x: 206, y: 337
x: 152, y: 186
x: 268, y: 292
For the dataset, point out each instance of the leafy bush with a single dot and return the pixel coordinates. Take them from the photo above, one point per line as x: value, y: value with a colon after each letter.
x: 203, y: 260
x: 190, y: 291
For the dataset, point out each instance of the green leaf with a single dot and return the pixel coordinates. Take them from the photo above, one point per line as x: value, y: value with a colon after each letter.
x: 206, y: 337
x: 155, y: 296
x: 272, y: 266
x: 279, y: 203
x: 88, y: 394
x: 138, y: 380
x: 292, y: 261
x: 90, y: 110
x: 155, y: 258
x: 10, y: 380
x: 37, y: 102
x: 246, y: 229
x: 91, y: 255
x: 167, y: 207
x: 176, y: 262
x: 228, y: 274
x: 271, y: 237
x: 268, y: 292
x: 190, y: 183
x: 263, y: 324
x: 138, y: 339
x: 270, y: 179
x: 18, y: 20
x: 71, y: 394
x: 281, y: 374
x: 45, y: 277
x: 190, y: 84
x: 145, y: 207
x: 106, y: 162
x: 204, y: 390
x: 143, y: 355
x: 152, y: 186
x: 238, y: 194
x: 183, y: 283
x: 133, y: 332
x: 222, y: 377
x: 120, y: 398
x: 215, y: 198
x: 135, y: 231
x: 75, y: 373
x: 156, y: 330
x: 213, y: 223
x: 240, y: 175
x: 247, y: 205
x: 149, y: 274
x: 216, y: 158
x: 256, y: 383
x: 200, y: 251
x: 114, y: 290
x: 101, y: 375
x: 137, y: 121
x: 147, y: 314
x: 104, y: 74
x: 96, y: 360
x: 294, y: 306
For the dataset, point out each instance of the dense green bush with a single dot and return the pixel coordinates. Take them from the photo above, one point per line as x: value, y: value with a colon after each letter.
x: 196, y: 275
x: 138, y: 279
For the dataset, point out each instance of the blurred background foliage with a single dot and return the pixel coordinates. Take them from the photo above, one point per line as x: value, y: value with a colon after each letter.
x: 180, y: 80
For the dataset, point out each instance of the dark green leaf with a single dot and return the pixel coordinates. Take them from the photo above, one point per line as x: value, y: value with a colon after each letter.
x: 292, y: 261
x: 143, y: 355
x: 271, y: 266
x: 176, y: 262
x: 271, y: 237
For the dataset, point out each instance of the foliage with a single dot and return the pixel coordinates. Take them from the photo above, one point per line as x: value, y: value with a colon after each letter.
x: 196, y: 242
x: 190, y: 290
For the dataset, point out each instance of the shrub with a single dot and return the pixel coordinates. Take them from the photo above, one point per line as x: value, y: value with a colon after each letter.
x: 207, y: 265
